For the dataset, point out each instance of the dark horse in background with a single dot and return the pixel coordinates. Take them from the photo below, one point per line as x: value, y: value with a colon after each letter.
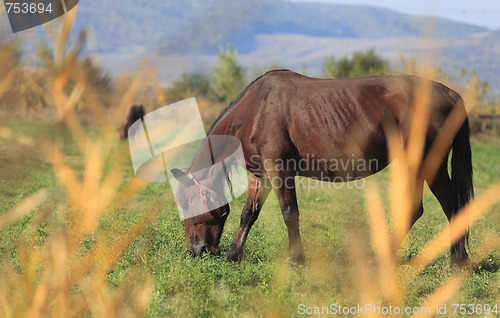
x: 283, y: 115
x: 135, y: 112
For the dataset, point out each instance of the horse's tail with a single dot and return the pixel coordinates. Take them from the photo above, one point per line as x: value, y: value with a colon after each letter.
x: 461, y: 169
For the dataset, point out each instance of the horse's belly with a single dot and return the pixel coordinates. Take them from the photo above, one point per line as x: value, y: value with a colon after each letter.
x: 351, y: 164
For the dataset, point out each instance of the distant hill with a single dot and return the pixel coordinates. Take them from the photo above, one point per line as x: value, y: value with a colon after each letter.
x: 201, y: 26
x: 184, y: 35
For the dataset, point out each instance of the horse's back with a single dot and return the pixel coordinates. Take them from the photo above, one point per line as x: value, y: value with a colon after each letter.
x: 290, y: 116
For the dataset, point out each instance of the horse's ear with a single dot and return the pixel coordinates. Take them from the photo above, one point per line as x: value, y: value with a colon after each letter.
x: 182, y: 177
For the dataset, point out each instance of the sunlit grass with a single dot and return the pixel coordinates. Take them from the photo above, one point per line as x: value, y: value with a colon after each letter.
x: 187, y: 286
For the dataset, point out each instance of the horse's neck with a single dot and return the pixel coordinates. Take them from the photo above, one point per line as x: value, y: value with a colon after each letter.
x: 204, y: 159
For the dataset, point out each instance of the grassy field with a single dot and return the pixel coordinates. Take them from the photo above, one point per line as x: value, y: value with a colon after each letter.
x: 152, y: 274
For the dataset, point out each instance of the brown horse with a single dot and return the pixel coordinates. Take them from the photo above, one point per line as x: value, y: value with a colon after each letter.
x: 135, y: 112
x: 315, y: 126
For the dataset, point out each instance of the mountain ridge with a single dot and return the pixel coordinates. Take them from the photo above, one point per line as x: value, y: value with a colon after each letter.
x: 183, y: 36
x: 180, y: 27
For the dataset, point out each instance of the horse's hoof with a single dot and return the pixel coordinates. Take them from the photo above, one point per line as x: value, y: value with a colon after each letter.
x: 234, y: 254
x: 235, y: 258
x: 459, y: 261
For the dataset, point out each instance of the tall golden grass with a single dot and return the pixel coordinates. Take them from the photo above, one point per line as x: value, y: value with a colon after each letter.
x: 57, y: 278
x: 404, y: 179
x: 384, y: 282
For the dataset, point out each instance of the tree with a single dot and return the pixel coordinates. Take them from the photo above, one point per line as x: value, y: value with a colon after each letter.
x: 189, y: 85
x: 360, y: 64
x: 180, y: 89
x: 97, y: 82
x: 228, y: 76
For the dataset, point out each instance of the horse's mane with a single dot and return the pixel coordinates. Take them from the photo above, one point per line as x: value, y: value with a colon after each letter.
x: 237, y: 99
x: 221, y: 116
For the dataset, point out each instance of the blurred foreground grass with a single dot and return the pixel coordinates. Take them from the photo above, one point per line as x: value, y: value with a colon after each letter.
x: 262, y: 285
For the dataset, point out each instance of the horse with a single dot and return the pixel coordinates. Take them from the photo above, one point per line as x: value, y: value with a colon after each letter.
x: 283, y: 116
x: 135, y: 112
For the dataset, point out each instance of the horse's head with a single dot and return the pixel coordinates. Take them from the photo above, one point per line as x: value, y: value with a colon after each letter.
x: 205, y: 211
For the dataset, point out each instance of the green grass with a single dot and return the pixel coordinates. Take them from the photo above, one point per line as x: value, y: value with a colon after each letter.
x: 263, y: 284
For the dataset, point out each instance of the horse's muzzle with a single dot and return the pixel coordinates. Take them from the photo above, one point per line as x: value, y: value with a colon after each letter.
x: 198, y: 249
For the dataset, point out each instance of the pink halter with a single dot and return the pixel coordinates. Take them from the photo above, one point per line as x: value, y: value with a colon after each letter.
x: 204, y: 192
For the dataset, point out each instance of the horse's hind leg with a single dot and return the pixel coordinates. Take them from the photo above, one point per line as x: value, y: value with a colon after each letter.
x: 258, y: 191
x: 417, y: 211
x: 442, y: 187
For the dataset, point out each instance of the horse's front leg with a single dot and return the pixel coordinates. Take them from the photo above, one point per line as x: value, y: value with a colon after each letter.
x: 258, y: 191
x: 284, y: 187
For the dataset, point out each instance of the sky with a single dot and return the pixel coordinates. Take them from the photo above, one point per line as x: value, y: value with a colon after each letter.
x: 478, y: 12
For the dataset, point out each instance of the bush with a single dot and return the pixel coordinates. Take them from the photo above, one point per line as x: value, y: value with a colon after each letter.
x: 360, y: 64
